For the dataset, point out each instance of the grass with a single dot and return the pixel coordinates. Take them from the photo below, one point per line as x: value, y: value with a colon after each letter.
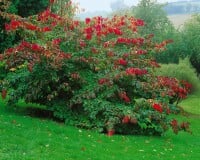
x: 26, y: 138
x: 192, y: 103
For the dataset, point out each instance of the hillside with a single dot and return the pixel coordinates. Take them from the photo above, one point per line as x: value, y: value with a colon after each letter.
x: 183, y: 7
x: 179, y: 19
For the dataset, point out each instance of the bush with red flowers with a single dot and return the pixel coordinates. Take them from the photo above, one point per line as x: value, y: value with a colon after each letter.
x: 97, y: 74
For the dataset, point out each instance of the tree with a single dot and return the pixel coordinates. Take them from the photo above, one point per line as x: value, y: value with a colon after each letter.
x: 157, y: 23
x: 191, y: 39
x: 118, y: 5
x: 26, y: 8
x: 155, y: 18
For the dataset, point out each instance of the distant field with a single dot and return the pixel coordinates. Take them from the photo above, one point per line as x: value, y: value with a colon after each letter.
x: 179, y: 19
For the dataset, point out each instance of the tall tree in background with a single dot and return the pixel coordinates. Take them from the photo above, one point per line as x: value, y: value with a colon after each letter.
x: 26, y: 8
x: 118, y: 5
x: 191, y: 41
x: 155, y: 18
x: 157, y: 23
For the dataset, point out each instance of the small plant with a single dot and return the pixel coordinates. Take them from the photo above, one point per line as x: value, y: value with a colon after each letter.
x: 97, y: 74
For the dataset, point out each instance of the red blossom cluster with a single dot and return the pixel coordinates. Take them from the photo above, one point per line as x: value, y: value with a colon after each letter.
x: 87, y: 20
x: 174, y: 125
x: 110, y: 132
x: 140, y: 52
x: 94, y: 50
x: 75, y: 76
x: 48, y: 15
x: 129, y: 41
x: 24, y: 45
x: 82, y: 43
x: 157, y: 107
x: 3, y: 93
x: 51, y: 1
x: 127, y: 119
x: 122, y: 62
x: 56, y: 41
x: 101, y: 27
x: 64, y: 55
x: 124, y: 97
x: 103, y: 81
x: 186, y: 85
x: 108, y: 44
x: 161, y: 46
x: 13, y: 25
x: 153, y: 63
x: 45, y: 17
x: 1, y: 57
x: 175, y: 87
x: 185, y: 126
x: 136, y: 71
x: 182, y: 126
x: 32, y: 53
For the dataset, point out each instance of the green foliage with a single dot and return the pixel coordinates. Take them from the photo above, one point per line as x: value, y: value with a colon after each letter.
x: 182, y: 71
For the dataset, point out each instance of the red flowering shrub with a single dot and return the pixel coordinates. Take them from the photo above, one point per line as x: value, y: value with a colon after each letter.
x: 93, y: 74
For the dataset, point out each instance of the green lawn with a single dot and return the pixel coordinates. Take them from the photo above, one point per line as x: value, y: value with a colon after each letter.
x: 26, y: 138
x: 192, y: 103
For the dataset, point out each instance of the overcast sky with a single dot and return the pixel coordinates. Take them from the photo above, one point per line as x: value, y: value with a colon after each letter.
x: 100, y: 5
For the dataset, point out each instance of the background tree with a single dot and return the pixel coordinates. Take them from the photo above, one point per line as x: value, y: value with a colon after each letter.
x: 157, y: 23
x: 26, y: 8
x: 191, y: 41
x: 118, y: 5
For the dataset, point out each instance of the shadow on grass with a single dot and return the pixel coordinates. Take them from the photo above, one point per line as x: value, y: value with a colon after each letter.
x: 33, y: 112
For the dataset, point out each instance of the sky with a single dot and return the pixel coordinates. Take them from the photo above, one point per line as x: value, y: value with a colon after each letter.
x: 104, y: 5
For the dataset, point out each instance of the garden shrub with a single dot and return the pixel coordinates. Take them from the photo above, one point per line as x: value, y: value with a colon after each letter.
x: 97, y: 74
x: 181, y: 71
